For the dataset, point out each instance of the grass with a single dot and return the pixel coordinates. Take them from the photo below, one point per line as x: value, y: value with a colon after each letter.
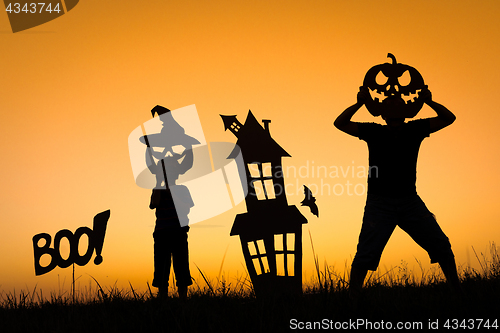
x: 216, y: 305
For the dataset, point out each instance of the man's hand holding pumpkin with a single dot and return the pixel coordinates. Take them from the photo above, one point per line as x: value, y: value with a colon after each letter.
x: 426, y: 95
x: 363, y: 95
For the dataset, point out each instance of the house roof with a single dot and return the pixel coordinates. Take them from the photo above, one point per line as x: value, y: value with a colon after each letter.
x: 255, y: 142
x: 275, y: 221
x: 229, y: 120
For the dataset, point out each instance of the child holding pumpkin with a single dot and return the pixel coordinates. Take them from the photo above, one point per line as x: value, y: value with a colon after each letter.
x: 392, y: 199
x: 170, y: 234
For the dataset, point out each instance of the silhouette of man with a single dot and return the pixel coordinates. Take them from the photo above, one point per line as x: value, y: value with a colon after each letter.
x: 174, y: 157
x: 392, y: 199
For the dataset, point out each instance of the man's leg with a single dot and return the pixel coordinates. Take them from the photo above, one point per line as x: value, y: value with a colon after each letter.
x: 182, y: 291
x: 449, y: 269
x: 378, y: 226
x: 423, y: 228
x: 356, y: 281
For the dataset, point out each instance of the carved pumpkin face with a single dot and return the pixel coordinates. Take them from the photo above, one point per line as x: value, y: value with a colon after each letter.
x: 394, y: 90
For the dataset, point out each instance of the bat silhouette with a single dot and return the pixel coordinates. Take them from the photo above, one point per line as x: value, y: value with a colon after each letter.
x: 310, y: 201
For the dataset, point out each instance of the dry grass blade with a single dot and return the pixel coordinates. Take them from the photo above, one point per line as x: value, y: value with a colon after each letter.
x: 316, y: 263
x: 133, y: 291
x: 33, y: 294
x: 477, y: 257
x: 150, y: 292
x: 222, y: 263
x: 206, y: 281
x: 102, y: 293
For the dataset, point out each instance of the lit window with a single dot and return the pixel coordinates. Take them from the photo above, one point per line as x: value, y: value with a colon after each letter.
x: 263, y: 183
x: 259, y: 257
x: 280, y: 264
x: 290, y: 242
x: 259, y: 190
x: 285, y: 257
x: 261, y: 265
x: 278, y: 242
x: 254, y: 170
x: 235, y: 127
x: 252, y: 249
x: 259, y: 244
x: 268, y: 184
x: 290, y: 263
x: 267, y: 170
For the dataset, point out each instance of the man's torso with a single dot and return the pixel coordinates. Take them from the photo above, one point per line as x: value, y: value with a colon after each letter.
x: 393, y: 156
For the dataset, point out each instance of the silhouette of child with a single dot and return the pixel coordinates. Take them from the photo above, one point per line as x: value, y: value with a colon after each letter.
x: 170, y: 235
x: 392, y: 198
x: 170, y: 244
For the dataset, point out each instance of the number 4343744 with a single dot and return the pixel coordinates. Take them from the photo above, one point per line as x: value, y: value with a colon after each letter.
x: 33, y: 8
x: 470, y: 324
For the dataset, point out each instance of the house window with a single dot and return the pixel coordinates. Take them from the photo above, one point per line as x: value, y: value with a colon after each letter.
x: 267, y: 170
x: 235, y: 127
x: 284, y: 245
x: 262, y: 180
x: 258, y: 256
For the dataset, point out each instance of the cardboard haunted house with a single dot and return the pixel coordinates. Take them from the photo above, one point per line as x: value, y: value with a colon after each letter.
x: 271, y: 230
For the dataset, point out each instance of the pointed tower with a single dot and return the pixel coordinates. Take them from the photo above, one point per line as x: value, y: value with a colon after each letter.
x: 271, y: 231
x: 231, y: 123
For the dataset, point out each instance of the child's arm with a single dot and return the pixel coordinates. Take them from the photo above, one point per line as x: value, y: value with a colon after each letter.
x: 444, y: 116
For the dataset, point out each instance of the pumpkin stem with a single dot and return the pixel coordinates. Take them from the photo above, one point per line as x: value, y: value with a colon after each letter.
x: 390, y: 55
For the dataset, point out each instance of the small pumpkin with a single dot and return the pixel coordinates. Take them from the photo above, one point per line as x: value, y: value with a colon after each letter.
x: 395, y: 90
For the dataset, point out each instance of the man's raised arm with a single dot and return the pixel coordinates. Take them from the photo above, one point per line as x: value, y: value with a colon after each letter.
x: 343, y: 121
x: 444, y: 116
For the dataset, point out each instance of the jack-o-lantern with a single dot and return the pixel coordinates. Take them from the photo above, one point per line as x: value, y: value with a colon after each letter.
x: 395, y: 90
x: 171, y: 147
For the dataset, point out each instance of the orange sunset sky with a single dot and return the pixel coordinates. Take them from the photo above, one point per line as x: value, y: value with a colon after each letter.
x: 73, y: 89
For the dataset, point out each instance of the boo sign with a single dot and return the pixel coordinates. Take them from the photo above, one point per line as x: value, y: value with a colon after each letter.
x: 95, y: 241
